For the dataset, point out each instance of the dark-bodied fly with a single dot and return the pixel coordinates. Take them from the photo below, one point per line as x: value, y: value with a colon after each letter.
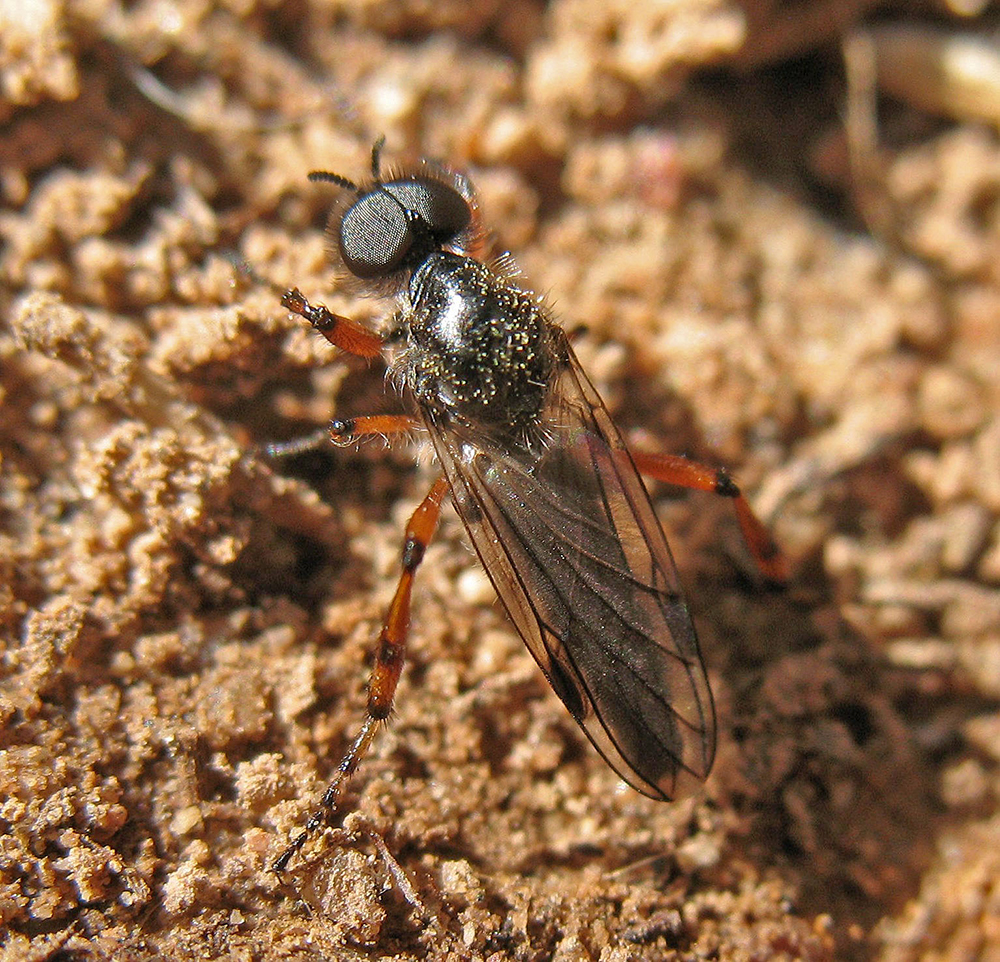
x: 549, y: 493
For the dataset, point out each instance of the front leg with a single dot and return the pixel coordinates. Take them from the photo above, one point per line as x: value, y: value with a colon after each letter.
x: 340, y: 331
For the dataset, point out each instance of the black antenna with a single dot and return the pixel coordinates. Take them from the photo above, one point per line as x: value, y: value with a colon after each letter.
x: 377, y: 159
x: 328, y: 177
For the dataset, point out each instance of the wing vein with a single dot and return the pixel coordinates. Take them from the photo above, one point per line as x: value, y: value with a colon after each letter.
x: 568, y: 537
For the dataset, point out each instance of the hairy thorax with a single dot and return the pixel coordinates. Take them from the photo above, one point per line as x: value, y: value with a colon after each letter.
x: 478, y: 348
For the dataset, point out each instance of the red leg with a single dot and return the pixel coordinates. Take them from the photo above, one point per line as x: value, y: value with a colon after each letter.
x: 672, y: 469
x: 344, y: 431
x: 340, y: 331
x: 388, y: 665
x: 350, y: 429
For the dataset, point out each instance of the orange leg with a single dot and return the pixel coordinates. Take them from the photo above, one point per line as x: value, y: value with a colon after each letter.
x: 343, y: 431
x: 672, y: 469
x: 388, y: 665
x: 340, y: 331
x: 350, y: 429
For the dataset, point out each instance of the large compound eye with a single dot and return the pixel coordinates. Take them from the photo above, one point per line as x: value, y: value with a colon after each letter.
x: 375, y: 235
x: 398, y: 223
x: 443, y: 210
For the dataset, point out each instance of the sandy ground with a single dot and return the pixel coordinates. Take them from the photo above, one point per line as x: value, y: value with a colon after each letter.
x: 186, y: 627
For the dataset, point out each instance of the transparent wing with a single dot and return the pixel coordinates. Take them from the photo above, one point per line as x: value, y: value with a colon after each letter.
x: 568, y: 536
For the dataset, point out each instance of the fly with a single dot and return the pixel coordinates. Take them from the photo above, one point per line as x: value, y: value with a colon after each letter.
x: 540, y: 476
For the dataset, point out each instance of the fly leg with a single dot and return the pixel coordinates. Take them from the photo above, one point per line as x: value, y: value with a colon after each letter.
x: 678, y: 471
x: 340, y: 331
x: 344, y: 431
x: 352, y: 338
x: 389, y: 657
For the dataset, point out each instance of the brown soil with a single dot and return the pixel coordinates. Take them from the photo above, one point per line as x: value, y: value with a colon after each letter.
x: 186, y: 627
